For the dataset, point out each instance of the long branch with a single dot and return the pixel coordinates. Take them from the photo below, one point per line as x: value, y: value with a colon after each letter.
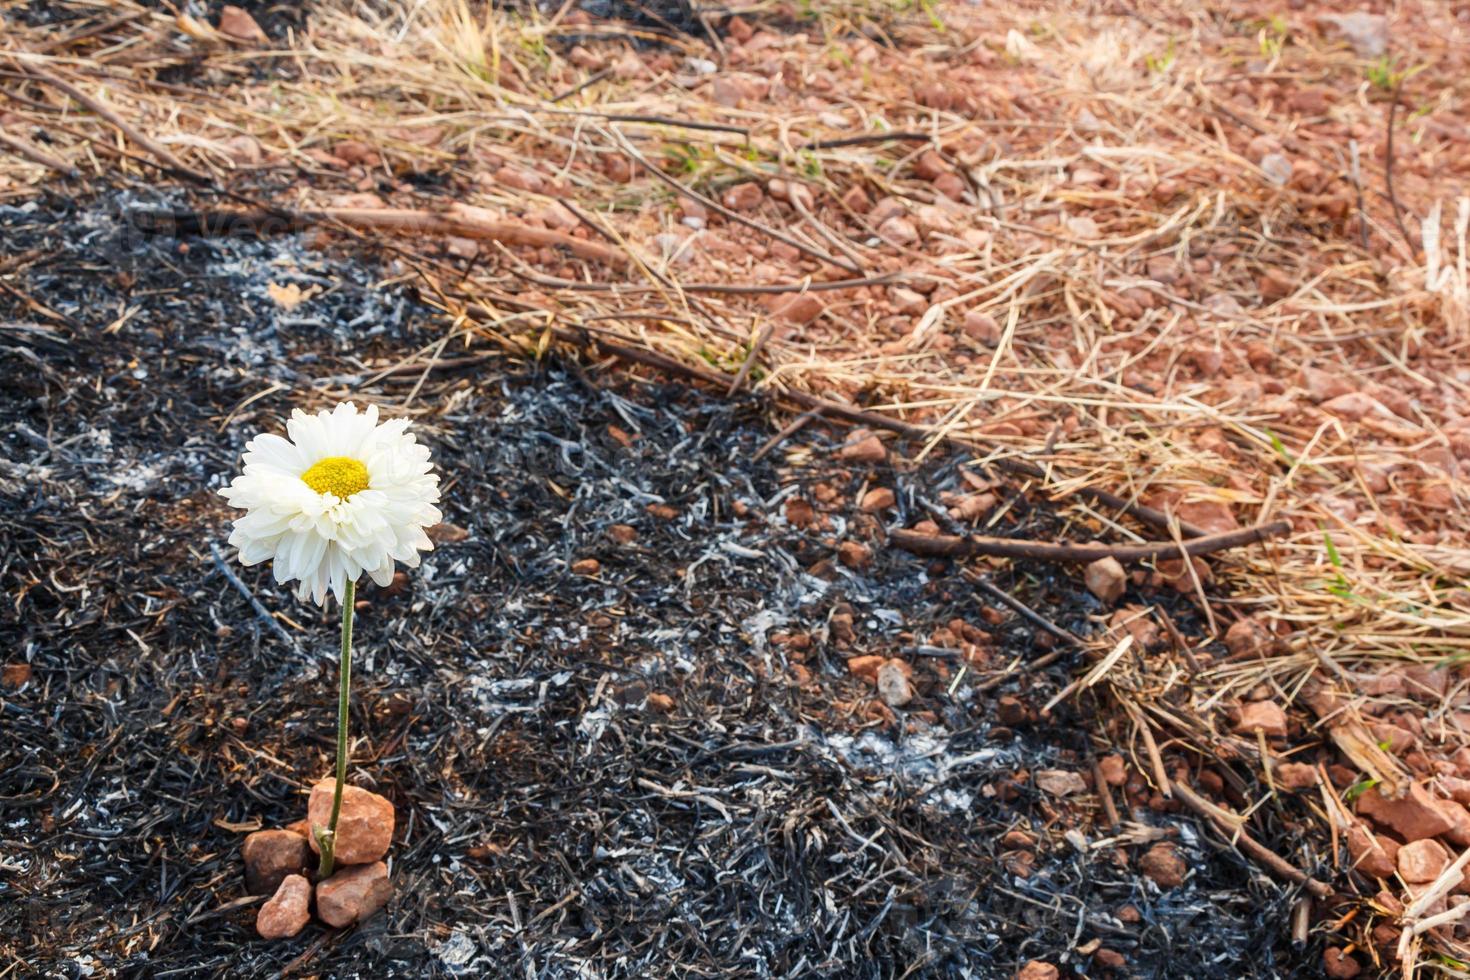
x: 953, y: 546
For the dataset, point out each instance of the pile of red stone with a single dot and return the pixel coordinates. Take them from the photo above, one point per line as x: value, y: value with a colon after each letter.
x: 282, y: 864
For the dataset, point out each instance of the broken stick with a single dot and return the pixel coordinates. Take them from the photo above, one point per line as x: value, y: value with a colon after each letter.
x: 954, y: 546
x: 1242, y: 841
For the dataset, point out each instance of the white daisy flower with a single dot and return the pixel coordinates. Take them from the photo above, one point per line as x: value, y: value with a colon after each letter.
x: 341, y: 495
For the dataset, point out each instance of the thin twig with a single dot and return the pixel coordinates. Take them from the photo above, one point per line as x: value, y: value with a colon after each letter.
x: 1243, y: 841
x: 244, y: 590
x: 1393, y: 198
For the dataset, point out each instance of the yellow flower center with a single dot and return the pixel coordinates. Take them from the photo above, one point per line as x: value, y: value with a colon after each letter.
x: 339, y: 475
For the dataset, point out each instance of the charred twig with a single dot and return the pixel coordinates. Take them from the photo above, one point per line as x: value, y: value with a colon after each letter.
x: 750, y: 359
x: 951, y: 546
x: 1031, y: 665
x: 1393, y: 198
x: 1016, y: 605
x: 1243, y: 841
x: 263, y: 613
x: 792, y: 427
x: 592, y: 79
x: 907, y: 137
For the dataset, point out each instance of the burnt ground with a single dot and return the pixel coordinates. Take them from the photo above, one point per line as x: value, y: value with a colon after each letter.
x: 554, y: 819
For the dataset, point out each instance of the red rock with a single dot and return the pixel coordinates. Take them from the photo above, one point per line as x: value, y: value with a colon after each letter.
x: 866, y: 667
x: 739, y: 29
x: 1180, y: 577
x: 743, y: 197
x: 853, y: 554
x: 270, y: 857
x: 893, y: 683
x: 1352, y: 406
x: 1422, y: 860
x: 1114, y: 770
x: 586, y: 566
x: 353, y: 894
x: 981, y: 327
x: 15, y: 674
x: 1129, y: 914
x: 1324, y: 386
x: 587, y: 60
x: 520, y: 180
x: 1060, y: 782
x: 863, y: 447
x: 1163, y: 866
x: 935, y: 95
x: 1415, y: 816
x: 1425, y: 683
x: 1012, y: 711
x: 287, y: 911
x: 877, y: 500
x: 623, y: 533
x: 1393, y: 738
x: 364, y: 827
x: 906, y: 301
x: 1459, y: 834
x: 1386, y: 934
x: 799, y: 512
x: 930, y: 165
x: 628, y: 65
x: 1399, y: 404
x: 970, y: 506
x: 661, y: 702
x: 1106, y: 579
x: 1275, y: 285
x: 1459, y: 789
x: 1295, y: 776
x: 857, y: 200
x: 1264, y: 715
x: 1369, y: 853
x: 951, y: 185
x: 898, y: 230
x: 1339, y: 965
x: 1109, y: 959
x: 1037, y: 970
x: 726, y: 91
x: 797, y: 307
x: 1139, y: 624
x: 1214, y: 516
x: 1249, y: 637
x: 797, y: 194
x: 236, y: 23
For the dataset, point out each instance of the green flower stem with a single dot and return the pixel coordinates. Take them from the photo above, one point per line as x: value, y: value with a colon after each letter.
x: 328, y: 840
